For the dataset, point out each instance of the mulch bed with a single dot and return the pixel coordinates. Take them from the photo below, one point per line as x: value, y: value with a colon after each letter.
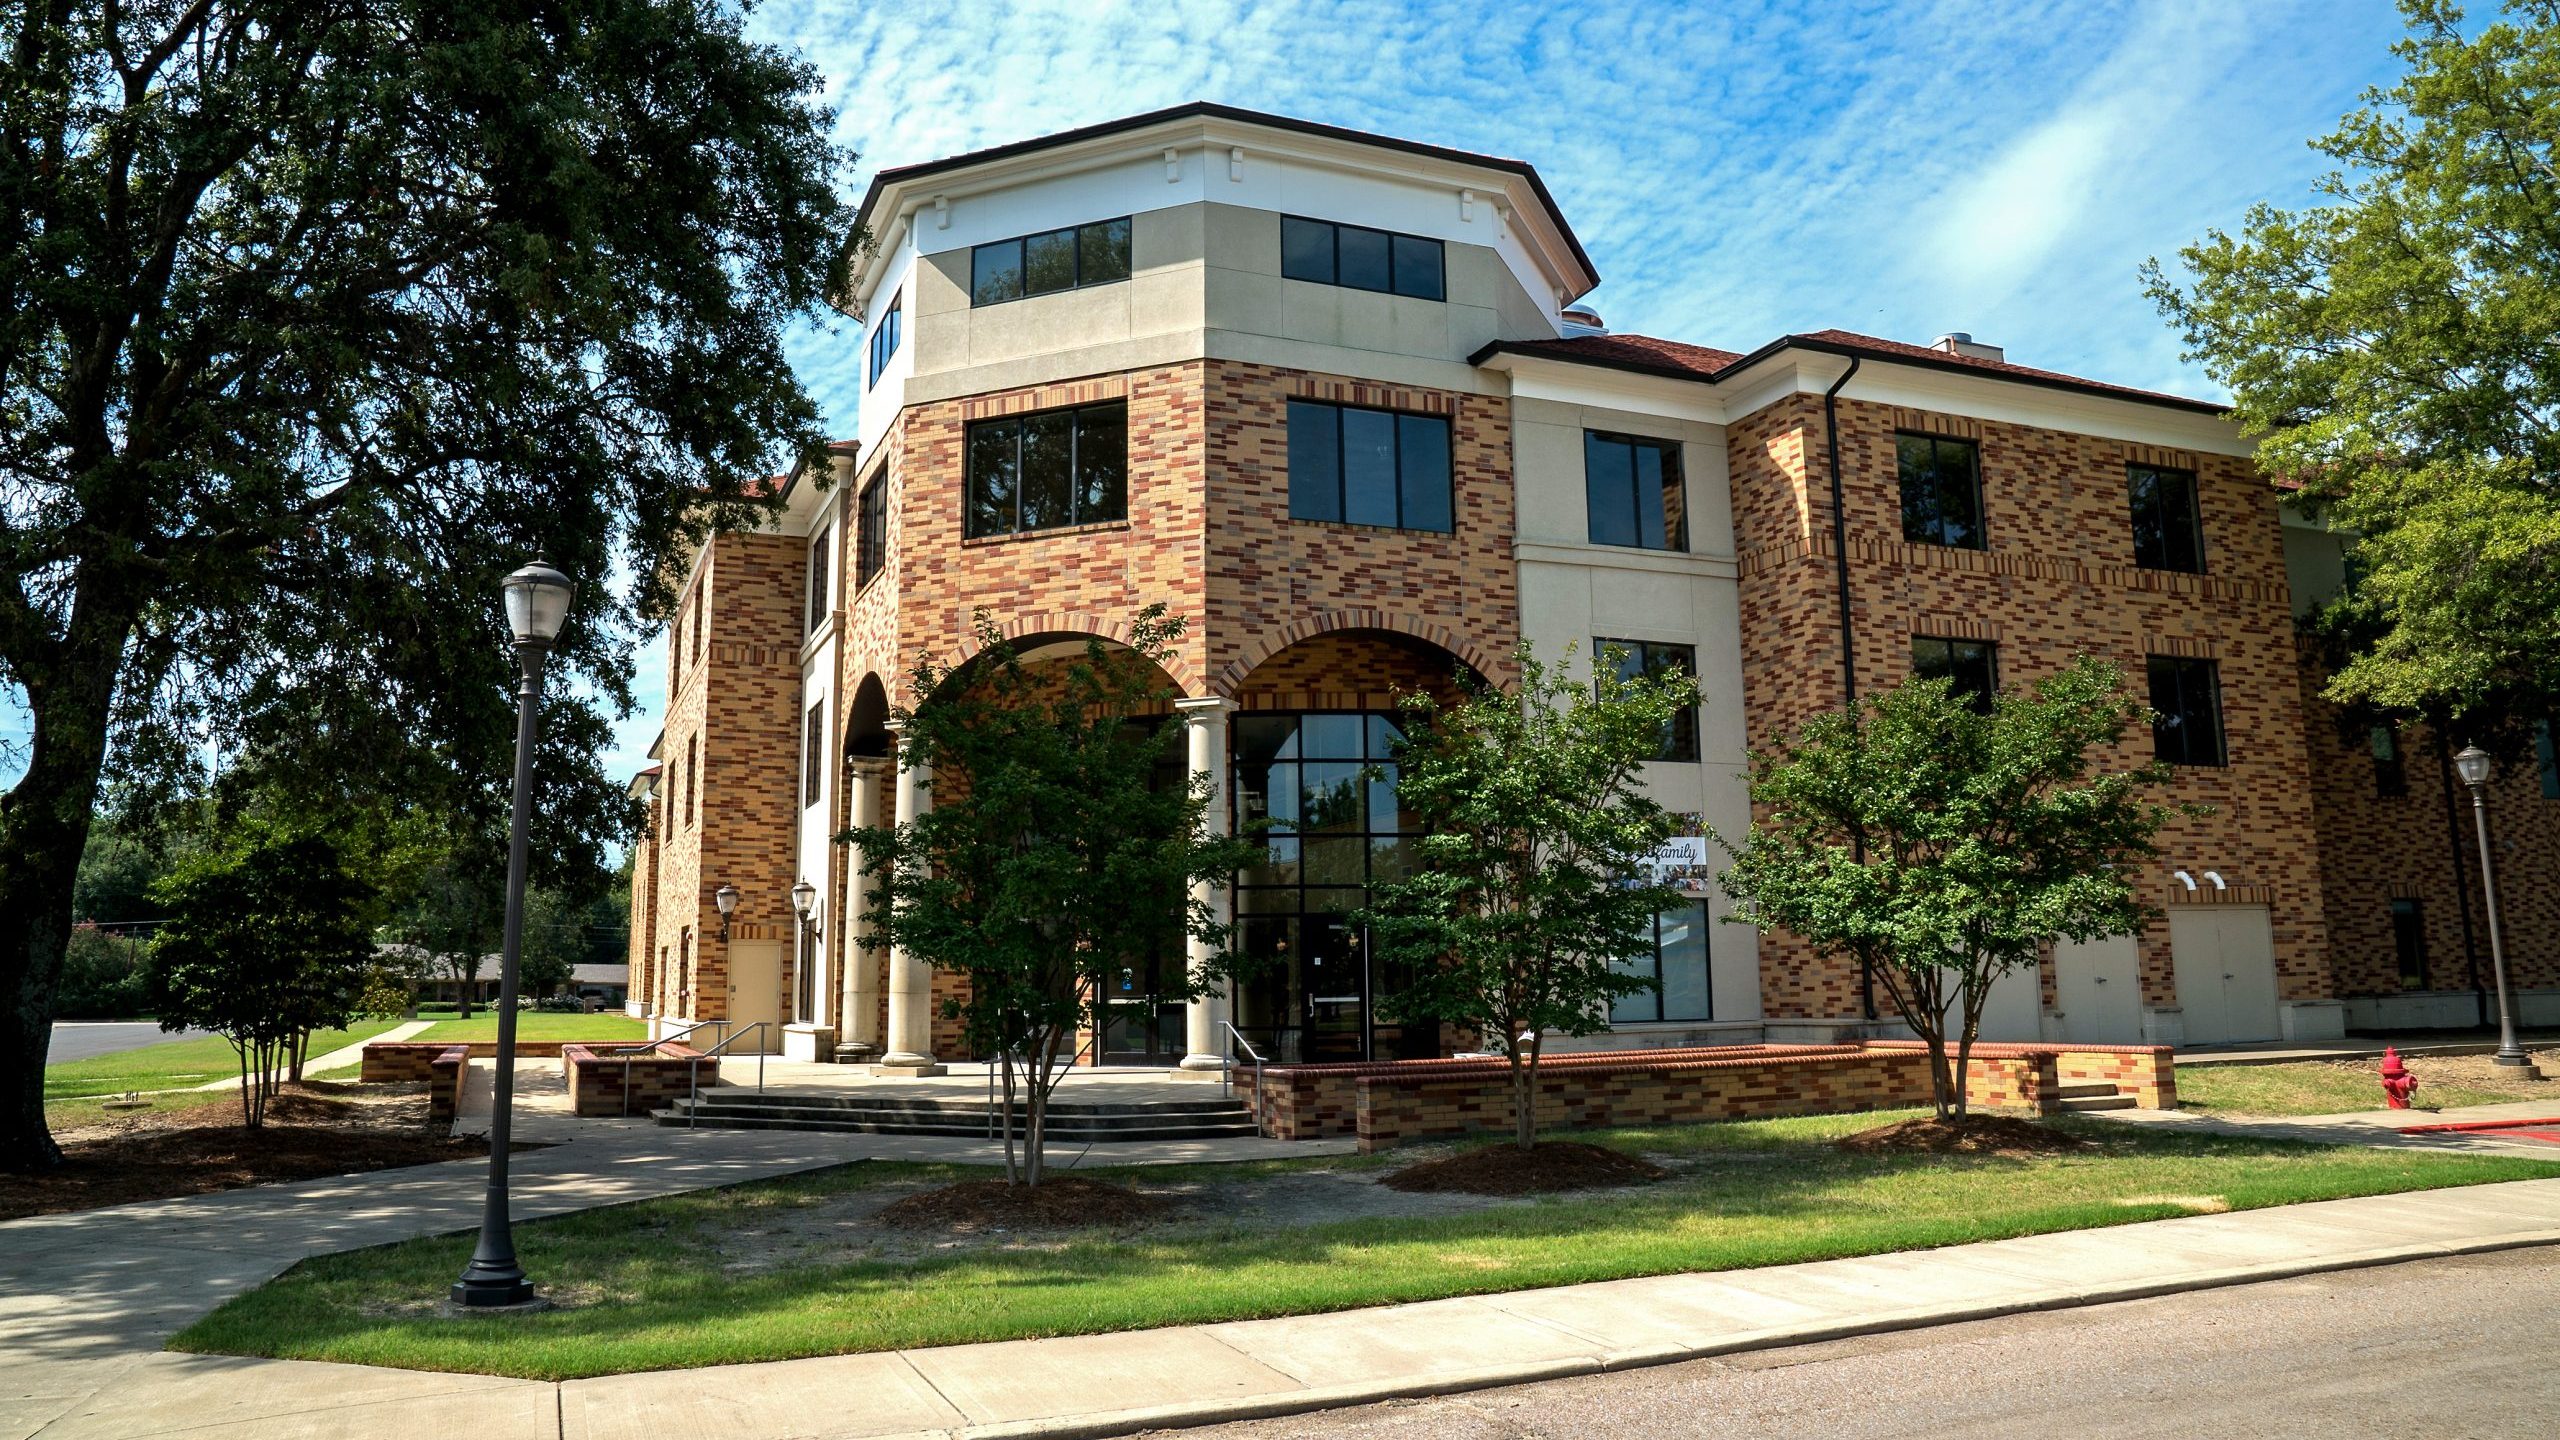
x: 1058, y: 1202
x: 1509, y: 1170
x: 165, y: 1152
x: 1972, y: 1135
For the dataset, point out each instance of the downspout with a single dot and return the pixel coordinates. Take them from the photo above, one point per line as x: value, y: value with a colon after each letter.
x: 2461, y: 881
x: 1848, y: 650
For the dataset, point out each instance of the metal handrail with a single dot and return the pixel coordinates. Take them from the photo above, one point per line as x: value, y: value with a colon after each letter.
x: 647, y: 1046
x: 1226, y: 1072
x: 693, y: 1072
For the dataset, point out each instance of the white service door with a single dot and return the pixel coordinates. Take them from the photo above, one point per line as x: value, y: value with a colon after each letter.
x: 2013, y: 1011
x: 2098, y: 985
x: 755, y: 993
x: 2225, y: 958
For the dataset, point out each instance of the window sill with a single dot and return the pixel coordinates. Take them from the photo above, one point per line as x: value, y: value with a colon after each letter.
x: 1353, y: 527
x: 1049, y: 533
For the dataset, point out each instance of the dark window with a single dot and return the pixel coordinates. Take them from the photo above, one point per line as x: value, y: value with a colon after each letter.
x: 2409, y: 940
x: 2168, y: 534
x: 1678, y: 968
x: 884, y: 339
x: 1053, y: 260
x: 1039, y: 472
x: 2546, y: 757
x: 1650, y: 657
x: 871, y: 535
x: 1941, y: 490
x: 814, y: 744
x: 1974, y: 666
x: 1362, y: 259
x: 1369, y: 467
x: 2188, y: 696
x: 2390, y: 773
x: 1633, y: 490
x: 692, y: 775
x: 819, y: 577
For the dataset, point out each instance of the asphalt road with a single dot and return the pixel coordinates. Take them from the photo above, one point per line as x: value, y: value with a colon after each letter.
x: 89, y: 1039
x: 2439, y: 1349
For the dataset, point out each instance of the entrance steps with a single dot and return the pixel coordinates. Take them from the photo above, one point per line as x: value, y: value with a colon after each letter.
x: 1070, y: 1121
x: 2080, y: 1099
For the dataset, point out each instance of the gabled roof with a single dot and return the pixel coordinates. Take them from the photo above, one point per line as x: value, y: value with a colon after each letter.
x: 1646, y: 355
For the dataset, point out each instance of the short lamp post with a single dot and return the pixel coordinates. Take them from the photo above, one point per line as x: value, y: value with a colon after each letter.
x: 2473, y: 766
x: 537, y: 605
x: 725, y: 899
x: 804, y: 903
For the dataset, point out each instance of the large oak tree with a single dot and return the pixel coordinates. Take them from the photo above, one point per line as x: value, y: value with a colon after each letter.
x: 317, y: 316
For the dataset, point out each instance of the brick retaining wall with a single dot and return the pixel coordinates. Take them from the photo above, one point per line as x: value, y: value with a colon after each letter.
x: 1395, y: 1102
x: 611, y: 1080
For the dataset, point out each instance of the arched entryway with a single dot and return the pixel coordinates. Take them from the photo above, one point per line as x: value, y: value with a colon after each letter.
x: 1314, y: 750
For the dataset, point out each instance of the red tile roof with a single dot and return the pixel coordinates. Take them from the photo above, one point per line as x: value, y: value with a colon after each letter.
x: 1645, y: 354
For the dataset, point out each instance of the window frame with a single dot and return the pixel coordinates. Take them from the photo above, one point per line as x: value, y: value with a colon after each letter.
x: 2194, y: 521
x: 821, y: 575
x: 1657, y: 996
x: 871, y: 531
x: 1342, y: 469
x: 2180, y: 668
x: 2546, y: 758
x: 885, y: 338
x: 1075, y: 248
x: 1675, y: 480
x: 1439, y: 250
x: 2409, y: 940
x: 1075, y: 442
x: 1983, y: 698
x: 1684, y: 730
x: 813, y: 754
x: 1981, y: 517
x: 2390, y: 763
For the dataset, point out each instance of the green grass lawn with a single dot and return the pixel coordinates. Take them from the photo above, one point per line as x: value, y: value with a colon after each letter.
x: 2324, y: 1087
x: 645, y: 1286
x: 541, y: 1025
x: 177, y: 1064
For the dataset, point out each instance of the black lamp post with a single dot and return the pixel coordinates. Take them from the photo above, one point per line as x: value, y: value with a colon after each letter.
x: 2473, y: 765
x: 537, y: 604
x: 804, y: 903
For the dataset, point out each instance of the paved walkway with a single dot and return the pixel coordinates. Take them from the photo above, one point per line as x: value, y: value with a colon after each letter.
x: 2371, y: 1127
x: 87, y: 1298
x: 344, y: 1057
x: 2357, y: 1048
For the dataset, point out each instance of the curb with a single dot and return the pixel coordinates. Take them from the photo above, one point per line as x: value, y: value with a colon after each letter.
x: 1104, y: 1424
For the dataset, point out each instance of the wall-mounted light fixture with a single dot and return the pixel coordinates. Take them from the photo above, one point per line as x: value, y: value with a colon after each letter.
x: 726, y: 898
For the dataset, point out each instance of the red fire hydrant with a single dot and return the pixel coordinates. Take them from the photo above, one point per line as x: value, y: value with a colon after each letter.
x: 2397, y: 1083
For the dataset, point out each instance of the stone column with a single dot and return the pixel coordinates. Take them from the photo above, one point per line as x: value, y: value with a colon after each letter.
x: 863, y: 966
x: 1206, y: 721
x: 910, y: 979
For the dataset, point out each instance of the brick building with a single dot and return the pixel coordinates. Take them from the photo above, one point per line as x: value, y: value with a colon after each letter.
x: 1328, y: 396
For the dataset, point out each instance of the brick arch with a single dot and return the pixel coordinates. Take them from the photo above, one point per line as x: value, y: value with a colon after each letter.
x: 1177, y: 666
x: 1271, y: 642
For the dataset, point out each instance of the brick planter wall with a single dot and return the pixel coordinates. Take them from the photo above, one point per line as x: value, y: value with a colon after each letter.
x: 1391, y: 1103
x: 444, y: 1072
x: 602, y: 1082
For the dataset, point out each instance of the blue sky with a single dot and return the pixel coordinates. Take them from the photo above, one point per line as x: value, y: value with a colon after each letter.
x: 1737, y: 170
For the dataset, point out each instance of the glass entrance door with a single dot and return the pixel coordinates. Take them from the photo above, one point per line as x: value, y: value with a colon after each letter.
x: 1144, y: 1028
x: 1337, y: 991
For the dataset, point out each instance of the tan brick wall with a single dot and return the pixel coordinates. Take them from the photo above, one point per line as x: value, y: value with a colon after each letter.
x: 2057, y: 580
x: 2376, y: 848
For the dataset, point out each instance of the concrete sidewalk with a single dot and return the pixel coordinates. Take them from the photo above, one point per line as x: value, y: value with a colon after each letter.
x: 2369, y: 1127
x: 344, y: 1057
x: 1123, y: 1383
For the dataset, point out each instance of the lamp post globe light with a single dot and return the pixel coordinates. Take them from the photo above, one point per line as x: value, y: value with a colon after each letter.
x: 537, y: 605
x: 725, y: 899
x: 2473, y: 766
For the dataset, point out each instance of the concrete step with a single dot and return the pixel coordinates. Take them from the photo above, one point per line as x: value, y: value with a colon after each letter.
x: 2083, y: 1103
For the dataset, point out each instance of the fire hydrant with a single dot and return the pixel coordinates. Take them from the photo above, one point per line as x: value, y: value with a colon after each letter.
x: 2397, y: 1083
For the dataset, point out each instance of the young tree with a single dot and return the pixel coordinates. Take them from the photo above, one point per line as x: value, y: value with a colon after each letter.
x: 265, y: 943
x: 2394, y: 348
x: 1944, y: 844
x: 316, y: 319
x: 1056, y: 854
x: 1530, y: 900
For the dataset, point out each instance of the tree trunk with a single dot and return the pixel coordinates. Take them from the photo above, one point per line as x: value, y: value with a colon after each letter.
x: 1524, y: 1098
x: 1012, y: 1172
x: 44, y: 825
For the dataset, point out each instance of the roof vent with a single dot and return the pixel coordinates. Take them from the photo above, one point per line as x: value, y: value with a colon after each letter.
x: 1957, y: 342
x: 1582, y: 320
